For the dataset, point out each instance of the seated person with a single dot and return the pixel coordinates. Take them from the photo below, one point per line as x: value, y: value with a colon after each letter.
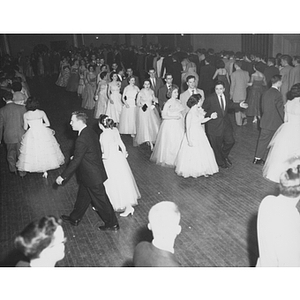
x: 164, y: 218
x: 42, y: 242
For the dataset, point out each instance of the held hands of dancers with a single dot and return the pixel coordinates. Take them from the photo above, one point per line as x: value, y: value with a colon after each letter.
x: 243, y: 104
x: 96, y: 97
x: 214, y: 115
x: 59, y: 180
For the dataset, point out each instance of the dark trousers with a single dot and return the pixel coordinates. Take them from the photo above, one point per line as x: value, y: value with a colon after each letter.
x: 13, y: 151
x: 95, y: 195
x: 222, y: 145
x: 264, y: 139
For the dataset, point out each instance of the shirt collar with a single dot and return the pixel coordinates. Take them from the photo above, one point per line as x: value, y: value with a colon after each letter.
x: 81, y: 129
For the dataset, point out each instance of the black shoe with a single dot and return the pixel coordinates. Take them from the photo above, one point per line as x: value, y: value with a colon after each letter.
x: 69, y: 220
x: 228, y: 161
x: 224, y: 166
x: 258, y: 161
x: 109, y: 228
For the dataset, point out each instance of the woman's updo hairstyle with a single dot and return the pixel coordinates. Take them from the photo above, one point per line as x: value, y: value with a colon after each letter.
x: 193, y: 100
x: 295, y: 91
x: 32, y: 103
x: 106, y: 121
x: 289, y: 182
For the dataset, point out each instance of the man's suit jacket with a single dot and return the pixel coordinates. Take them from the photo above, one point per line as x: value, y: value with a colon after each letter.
x: 158, y: 84
x: 216, y: 127
x: 87, y: 160
x: 184, y: 97
x: 147, y: 255
x: 12, y: 123
x: 272, y: 109
x: 295, y: 75
x: 162, y: 95
x: 239, y: 84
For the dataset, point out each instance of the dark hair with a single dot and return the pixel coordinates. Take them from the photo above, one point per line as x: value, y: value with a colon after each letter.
x: 7, y: 95
x: 220, y: 64
x: 80, y: 116
x: 112, y: 74
x: 32, y: 103
x: 220, y: 82
x: 193, y: 100
x: 16, y: 86
x: 170, y: 91
x: 103, y: 74
x: 37, y: 236
x: 272, y: 60
x: 297, y: 59
x: 295, y: 90
x: 287, y: 58
x: 275, y: 78
x: 106, y: 121
x: 189, y: 77
x: 289, y: 182
x: 168, y: 74
x: 238, y: 63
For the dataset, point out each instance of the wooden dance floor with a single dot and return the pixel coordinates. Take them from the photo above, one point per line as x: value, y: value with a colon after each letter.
x: 218, y: 214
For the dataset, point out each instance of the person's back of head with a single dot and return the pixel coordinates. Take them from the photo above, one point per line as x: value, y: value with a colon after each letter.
x: 43, y: 239
x: 164, y: 218
x: 7, y: 96
x: 289, y: 182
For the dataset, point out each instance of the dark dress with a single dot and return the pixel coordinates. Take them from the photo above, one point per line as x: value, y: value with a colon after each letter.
x: 254, y: 98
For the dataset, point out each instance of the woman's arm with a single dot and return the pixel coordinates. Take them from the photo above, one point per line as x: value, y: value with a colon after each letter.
x: 45, y: 119
x: 120, y: 142
x: 188, y: 121
x: 216, y: 74
x: 25, y: 122
x: 214, y: 115
x: 104, y: 146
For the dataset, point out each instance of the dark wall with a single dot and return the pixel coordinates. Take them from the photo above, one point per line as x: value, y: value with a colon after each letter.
x: 26, y: 42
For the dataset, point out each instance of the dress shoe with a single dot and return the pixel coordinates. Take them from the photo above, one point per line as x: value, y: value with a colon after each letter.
x: 22, y: 173
x: 228, y: 161
x: 127, y: 212
x: 224, y: 166
x: 109, y: 228
x: 69, y: 220
x: 258, y: 161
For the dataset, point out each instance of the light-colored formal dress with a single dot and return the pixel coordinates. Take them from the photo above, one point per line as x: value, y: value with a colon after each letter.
x: 285, y: 144
x: 170, y: 134
x: 278, y: 231
x: 120, y: 186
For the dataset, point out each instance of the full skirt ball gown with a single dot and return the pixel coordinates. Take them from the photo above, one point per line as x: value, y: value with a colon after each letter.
x: 198, y: 160
x: 120, y: 186
x: 285, y: 144
x: 39, y: 150
x: 114, y: 109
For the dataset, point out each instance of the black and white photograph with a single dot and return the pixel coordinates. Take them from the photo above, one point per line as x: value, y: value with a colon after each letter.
x: 128, y: 148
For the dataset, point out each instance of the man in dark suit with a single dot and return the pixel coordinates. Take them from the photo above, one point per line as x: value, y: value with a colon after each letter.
x: 87, y: 161
x: 219, y: 130
x: 164, y: 218
x: 12, y: 129
x: 270, y: 71
x: 155, y: 82
x: 163, y: 90
x: 272, y: 118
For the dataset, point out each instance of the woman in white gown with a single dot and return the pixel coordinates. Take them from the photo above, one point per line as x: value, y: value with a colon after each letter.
x: 285, y: 144
x: 127, y: 123
x: 171, y: 131
x: 120, y: 185
x: 101, y: 95
x: 147, y: 121
x: 114, y: 105
x: 196, y: 157
x: 39, y: 150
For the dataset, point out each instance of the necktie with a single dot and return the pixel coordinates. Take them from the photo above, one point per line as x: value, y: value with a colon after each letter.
x: 193, y: 92
x: 222, y: 104
x: 154, y: 82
